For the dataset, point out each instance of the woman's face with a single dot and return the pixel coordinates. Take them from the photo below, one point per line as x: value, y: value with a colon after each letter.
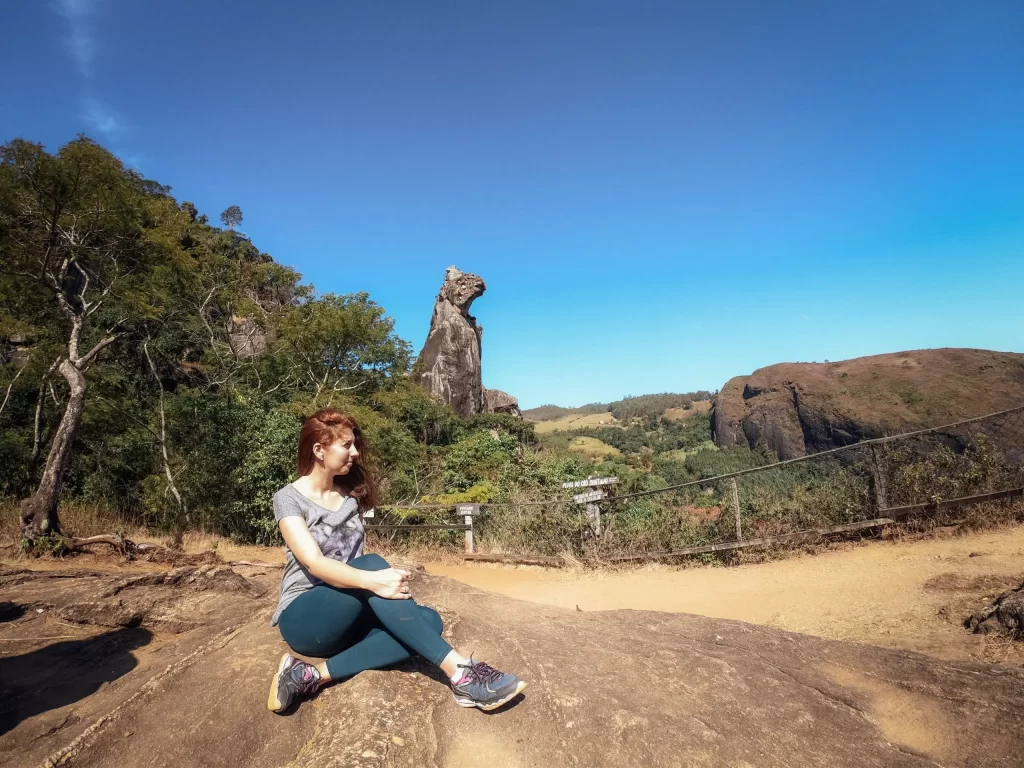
x: 339, y: 456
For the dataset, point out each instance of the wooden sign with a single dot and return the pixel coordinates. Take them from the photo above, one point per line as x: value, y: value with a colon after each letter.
x: 583, y: 498
x: 591, y: 482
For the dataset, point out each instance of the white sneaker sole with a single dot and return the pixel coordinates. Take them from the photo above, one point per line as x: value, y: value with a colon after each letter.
x: 273, y: 702
x: 469, y: 703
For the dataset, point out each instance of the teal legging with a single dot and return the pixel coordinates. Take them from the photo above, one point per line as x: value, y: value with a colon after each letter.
x: 356, y: 630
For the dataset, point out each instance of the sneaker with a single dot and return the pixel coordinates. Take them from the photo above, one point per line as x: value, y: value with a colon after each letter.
x: 481, y: 685
x: 294, y: 680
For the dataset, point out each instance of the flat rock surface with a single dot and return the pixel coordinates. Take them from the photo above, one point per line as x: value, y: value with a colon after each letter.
x: 186, y: 683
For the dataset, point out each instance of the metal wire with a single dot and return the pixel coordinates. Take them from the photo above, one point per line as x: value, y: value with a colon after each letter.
x: 1003, y: 429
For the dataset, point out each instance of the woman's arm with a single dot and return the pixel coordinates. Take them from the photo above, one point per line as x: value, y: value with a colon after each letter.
x: 390, y: 583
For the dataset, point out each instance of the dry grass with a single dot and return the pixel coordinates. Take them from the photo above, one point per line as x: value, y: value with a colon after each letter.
x: 76, y: 518
x: 593, y: 448
x: 575, y: 421
x: 682, y: 414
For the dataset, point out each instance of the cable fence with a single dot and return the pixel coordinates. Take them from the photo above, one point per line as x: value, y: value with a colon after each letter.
x: 972, y: 470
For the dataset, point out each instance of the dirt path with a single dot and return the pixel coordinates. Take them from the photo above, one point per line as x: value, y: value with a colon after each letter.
x: 908, y: 595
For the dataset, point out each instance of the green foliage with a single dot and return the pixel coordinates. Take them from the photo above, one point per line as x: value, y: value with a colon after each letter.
x: 505, y: 422
x: 264, y: 469
x: 728, y: 459
x: 476, y: 458
x: 480, y: 493
x: 335, y: 345
x: 665, y: 435
x: 653, y: 406
x: 427, y: 420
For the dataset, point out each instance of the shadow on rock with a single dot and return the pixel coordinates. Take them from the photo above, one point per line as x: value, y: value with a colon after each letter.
x: 65, y: 672
x: 10, y: 611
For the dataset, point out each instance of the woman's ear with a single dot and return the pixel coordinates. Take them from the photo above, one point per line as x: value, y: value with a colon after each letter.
x: 318, y: 452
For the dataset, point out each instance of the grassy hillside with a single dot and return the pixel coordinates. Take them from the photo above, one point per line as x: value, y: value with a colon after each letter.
x: 555, y: 412
x: 672, y: 405
x: 593, y: 448
x: 574, y: 421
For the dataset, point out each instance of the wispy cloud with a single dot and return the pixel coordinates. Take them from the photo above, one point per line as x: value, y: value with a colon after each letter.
x: 101, y: 119
x: 81, y: 42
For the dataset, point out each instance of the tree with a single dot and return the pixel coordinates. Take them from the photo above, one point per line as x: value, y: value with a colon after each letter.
x: 80, y: 230
x: 231, y: 217
x: 333, y: 345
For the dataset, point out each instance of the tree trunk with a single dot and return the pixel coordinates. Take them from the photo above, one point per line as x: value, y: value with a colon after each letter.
x: 39, y: 511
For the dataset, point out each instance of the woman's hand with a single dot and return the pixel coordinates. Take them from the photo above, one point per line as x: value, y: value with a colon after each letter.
x: 391, y: 583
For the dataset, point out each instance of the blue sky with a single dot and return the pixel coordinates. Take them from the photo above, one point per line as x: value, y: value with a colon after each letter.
x: 660, y: 195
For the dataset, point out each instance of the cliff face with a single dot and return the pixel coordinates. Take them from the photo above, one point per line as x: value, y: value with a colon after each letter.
x: 449, y: 364
x: 800, y: 408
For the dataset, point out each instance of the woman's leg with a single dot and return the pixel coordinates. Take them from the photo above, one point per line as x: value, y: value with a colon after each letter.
x: 403, y: 619
x: 377, y: 650
x: 338, y: 625
x: 324, y: 620
x: 321, y: 621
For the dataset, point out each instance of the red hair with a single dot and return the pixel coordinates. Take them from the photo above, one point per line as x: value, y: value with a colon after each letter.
x: 326, y: 427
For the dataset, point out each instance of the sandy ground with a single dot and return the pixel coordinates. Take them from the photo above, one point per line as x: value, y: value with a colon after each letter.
x: 910, y: 595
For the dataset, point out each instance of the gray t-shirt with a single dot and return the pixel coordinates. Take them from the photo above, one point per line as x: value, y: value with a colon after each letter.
x: 339, y: 534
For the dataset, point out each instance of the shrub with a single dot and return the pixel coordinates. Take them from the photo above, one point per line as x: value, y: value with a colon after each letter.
x: 269, y: 465
x: 476, y: 458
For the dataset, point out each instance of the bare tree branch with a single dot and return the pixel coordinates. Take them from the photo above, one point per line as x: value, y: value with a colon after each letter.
x: 37, y: 421
x: 90, y: 356
x: 11, y: 386
x: 163, y: 434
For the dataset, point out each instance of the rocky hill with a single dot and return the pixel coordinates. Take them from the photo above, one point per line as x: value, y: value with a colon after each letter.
x: 800, y: 408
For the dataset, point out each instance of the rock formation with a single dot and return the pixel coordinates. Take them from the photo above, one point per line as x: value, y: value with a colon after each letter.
x: 799, y: 408
x: 16, y: 349
x: 496, y: 401
x: 246, y: 337
x: 607, y: 688
x: 1005, y: 615
x: 449, y: 364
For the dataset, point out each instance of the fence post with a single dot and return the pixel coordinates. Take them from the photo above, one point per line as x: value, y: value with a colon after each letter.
x: 594, y: 514
x: 878, y: 481
x: 736, y: 508
x: 468, y: 512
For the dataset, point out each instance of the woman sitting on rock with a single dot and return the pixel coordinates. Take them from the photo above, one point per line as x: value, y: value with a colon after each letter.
x: 355, y: 610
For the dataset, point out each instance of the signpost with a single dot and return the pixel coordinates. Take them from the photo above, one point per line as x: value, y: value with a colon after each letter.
x: 468, y: 511
x: 589, y: 498
x: 591, y: 482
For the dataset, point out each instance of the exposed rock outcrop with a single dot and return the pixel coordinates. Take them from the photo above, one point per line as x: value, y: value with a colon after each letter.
x: 712, y: 692
x: 15, y: 349
x: 799, y: 408
x: 496, y: 401
x: 247, y: 338
x: 1005, y: 615
x: 449, y: 364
